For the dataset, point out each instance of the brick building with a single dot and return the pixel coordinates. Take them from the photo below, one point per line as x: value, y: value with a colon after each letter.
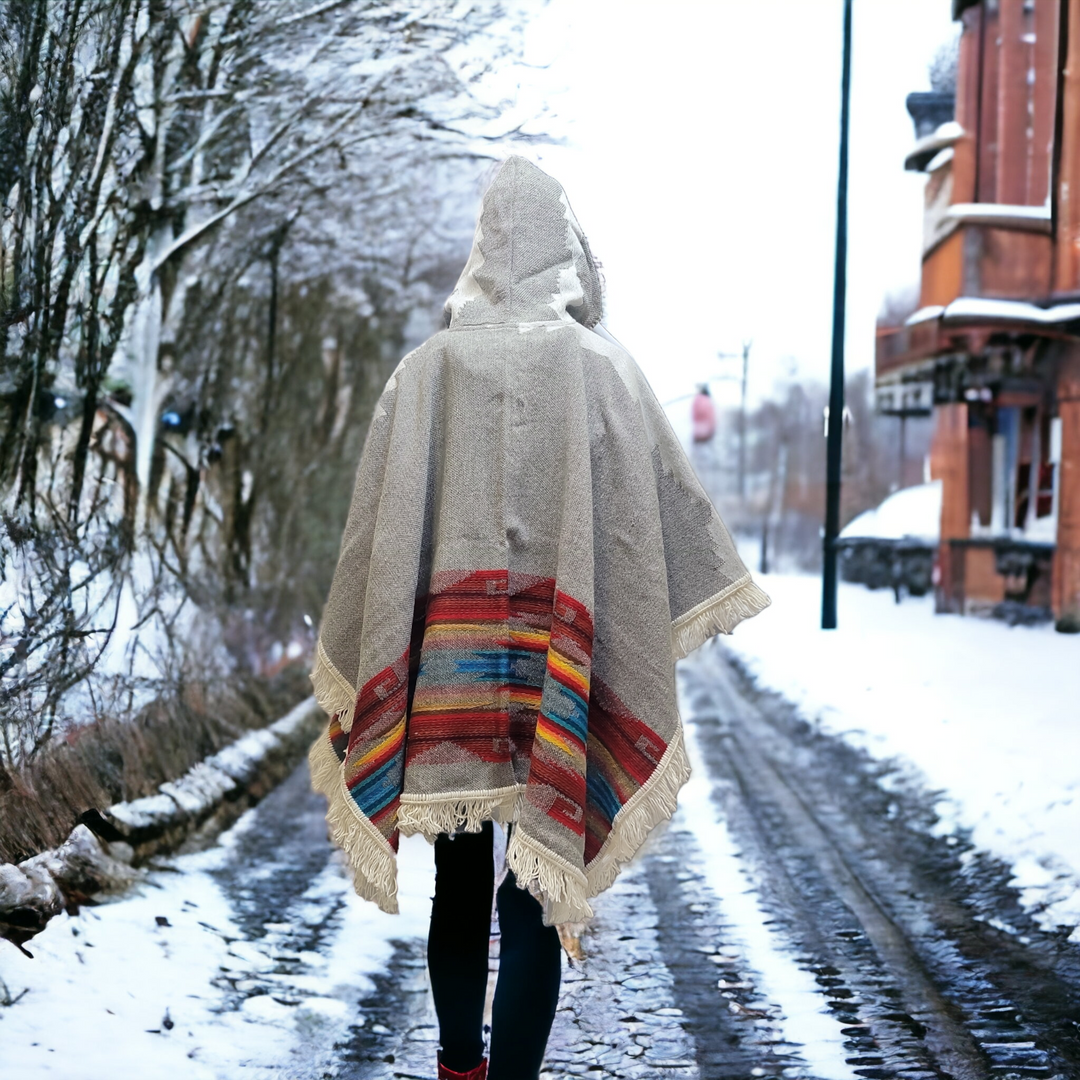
x: 994, y: 347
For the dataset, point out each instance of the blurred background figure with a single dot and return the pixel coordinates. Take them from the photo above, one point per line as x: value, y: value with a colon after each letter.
x: 703, y: 415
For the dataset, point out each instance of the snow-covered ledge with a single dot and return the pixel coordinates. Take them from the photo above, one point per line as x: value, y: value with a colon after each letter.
x: 982, y: 307
x: 1002, y: 215
x: 206, y: 796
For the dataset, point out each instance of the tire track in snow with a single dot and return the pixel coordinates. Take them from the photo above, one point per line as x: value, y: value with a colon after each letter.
x: 886, y: 942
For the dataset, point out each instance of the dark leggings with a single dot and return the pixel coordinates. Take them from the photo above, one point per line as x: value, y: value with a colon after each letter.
x: 530, y: 963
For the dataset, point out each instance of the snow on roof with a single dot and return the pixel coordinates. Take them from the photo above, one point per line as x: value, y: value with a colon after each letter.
x: 911, y: 513
x: 951, y: 129
x: 924, y: 313
x: 980, y: 307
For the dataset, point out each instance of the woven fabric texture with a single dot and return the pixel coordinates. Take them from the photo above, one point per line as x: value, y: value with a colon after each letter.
x: 527, y: 553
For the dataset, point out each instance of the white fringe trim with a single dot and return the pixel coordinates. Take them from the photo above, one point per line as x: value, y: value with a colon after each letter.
x: 558, y: 885
x: 374, y: 864
x: 720, y: 614
x: 652, y: 803
x: 562, y: 888
x: 333, y: 692
x: 447, y: 812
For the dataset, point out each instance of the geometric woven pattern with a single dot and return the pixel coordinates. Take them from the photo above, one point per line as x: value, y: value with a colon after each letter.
x: 375, y: 761
x: 623, y: 752
x: 504, y: 677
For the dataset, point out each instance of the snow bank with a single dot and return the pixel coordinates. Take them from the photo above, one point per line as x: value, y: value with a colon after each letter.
x: 148, y: 814
x: 257, y: 756
x: 911, y: 513
x: 37, y: 889
x: 147, y: 986
x: 200, y: 789
x: 986, y: 712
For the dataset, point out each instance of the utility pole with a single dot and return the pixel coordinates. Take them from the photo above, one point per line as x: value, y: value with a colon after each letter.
x: 742, y: 423
x: 835, y: 433
x: 745, y: 356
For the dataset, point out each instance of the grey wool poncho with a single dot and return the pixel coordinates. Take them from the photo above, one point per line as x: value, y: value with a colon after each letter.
x: 527, y: 554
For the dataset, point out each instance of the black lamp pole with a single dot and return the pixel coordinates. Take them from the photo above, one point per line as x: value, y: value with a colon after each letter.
x: 835, y: 428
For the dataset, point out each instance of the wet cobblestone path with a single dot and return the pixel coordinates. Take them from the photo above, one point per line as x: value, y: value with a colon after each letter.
x: 645, y: 1003
x: 915, y: 957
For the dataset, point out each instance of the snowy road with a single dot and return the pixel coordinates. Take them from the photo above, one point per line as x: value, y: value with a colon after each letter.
x: 799, y: 918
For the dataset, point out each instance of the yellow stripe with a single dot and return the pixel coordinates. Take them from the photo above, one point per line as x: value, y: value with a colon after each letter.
x: 550, y: 736
x: 394, y: 733
x: 441, y: 629
x: 444, y: 699
x: 624, y: 781
x: 545, y: 732
x: 563, y: 667
x: 526, y: 695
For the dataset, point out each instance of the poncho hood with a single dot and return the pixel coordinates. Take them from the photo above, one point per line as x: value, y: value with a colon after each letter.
x: 527, y: 553
x: 530, y: 261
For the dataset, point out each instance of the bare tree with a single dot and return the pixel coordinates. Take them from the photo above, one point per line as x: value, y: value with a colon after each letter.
x: 943, y: 66
x: 786, y: 467
x: 218, y: 218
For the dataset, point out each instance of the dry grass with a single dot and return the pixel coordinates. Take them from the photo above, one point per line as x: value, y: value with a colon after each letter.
x: 112, y: 761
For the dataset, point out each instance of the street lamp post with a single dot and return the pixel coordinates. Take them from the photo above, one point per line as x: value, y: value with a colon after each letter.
x: 835, y: 431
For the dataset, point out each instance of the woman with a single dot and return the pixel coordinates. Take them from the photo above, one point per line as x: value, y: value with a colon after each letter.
x: 526, y: 555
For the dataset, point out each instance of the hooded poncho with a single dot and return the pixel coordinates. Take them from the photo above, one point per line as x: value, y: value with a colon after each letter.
x: 527, y: 553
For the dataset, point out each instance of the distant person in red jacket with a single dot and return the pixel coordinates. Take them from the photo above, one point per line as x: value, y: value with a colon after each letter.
x: 703, y: 415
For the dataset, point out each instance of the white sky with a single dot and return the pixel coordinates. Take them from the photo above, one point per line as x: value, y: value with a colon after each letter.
x: 702, y: 157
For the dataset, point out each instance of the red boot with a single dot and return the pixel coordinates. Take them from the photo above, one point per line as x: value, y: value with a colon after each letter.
x: 479, y: 1073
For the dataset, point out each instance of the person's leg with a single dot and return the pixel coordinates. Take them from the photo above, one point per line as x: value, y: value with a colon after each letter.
x: 458, y: 944
x: 527, y: 991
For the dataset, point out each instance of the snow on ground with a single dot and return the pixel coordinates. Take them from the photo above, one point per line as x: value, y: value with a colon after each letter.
x: 805, y: 1019
x: 987, y: 713
x: 910, y: 512
x: 166, y: 983
x: 127, y: 996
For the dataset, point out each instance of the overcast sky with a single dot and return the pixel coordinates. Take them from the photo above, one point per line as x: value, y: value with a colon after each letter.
x: 701, y: 162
